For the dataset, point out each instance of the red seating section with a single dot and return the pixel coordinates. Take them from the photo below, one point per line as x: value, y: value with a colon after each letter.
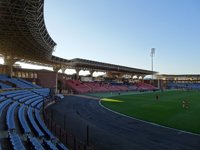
x: 77, y: 86
x: 88, y: 87
x: 145, y: 86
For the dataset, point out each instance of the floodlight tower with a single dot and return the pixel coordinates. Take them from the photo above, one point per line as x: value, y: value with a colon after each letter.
x: 152, y: 55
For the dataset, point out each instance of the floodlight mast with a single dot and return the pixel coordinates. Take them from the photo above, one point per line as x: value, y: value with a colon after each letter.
x: 152, y: 55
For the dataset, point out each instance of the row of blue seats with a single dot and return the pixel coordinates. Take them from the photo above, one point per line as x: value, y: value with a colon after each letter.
x: 24, y: 99
x: 16, y: 141
x: 49, y: 145
x: 184, y: 85
x: 20, y: 83
x: 33, y: 123
x: 18, y: 94
x: 35, y: 144
x: 4, y: 104
x: 11, y: 92
x: 42, y: 125
x: 37, y: 103
x: 5, y: 86
x: 24, y: 96
x: 33, y: 85
x: 21, y: 116
x: 41, y: 91
x: 33, y: 100
x: 2, y: 98
x: 38, y: 106
x: 10, y: 116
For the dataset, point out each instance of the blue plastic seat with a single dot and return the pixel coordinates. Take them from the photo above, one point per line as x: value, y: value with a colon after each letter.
x: 34, y: 104
x: 42, y: 125
x: 49, y: 145
x: 61, y: 146
x: 39, y: 105
x: 11, y: 92
x: 33, y: 123
x: 36, y: 145
x: 2, y: 98
x: 16, y: 141
x: 4, y: 104
x: 10, y: 116
x: 22, y: 96
x: 17, y: 94
x: 42, y: 91
x: 21, y: 116
x: 38, y: 98
x: 24, y: 99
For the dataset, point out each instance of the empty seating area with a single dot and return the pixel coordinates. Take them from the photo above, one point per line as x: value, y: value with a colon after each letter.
x: 145, y: 86
x: 9, y: 83
x: 35, y: 126
x: 10, y: 116
x: 34, y: 143
x: 21, y: 116
x: 89, y: 87
x: 173, y: 85
x: 20, y: 112
x: 15, y: 141
x: 77, y: 86
x: 42, y: 125
x: 5, y: 86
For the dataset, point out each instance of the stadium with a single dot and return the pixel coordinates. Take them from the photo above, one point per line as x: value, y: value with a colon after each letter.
x: 120, y: 110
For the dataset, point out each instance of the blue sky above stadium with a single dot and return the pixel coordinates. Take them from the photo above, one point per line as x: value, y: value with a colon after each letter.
x: 124, y: 31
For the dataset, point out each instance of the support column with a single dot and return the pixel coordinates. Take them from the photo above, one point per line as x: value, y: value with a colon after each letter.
x: 132, y: 76
x: 91, y: 72
x: 77, y: 73
x: 159, y: 84
x: 142, y: 77
x: 137, y: 76
x: 63, y: 70
x: 56, y: 69
x: 120, y: 75
x: 9, y: 62
x: 108, y: 74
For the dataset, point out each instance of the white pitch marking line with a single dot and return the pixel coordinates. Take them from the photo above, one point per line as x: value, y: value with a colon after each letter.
x: 177, y: 130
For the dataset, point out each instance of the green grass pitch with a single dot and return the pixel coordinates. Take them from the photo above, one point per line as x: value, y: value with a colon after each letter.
x: 167, y: 110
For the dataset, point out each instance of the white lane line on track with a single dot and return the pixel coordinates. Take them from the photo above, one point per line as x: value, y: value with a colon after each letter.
x: 177, y: 130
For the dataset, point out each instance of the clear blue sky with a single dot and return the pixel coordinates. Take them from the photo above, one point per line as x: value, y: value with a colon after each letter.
x: 123, y: 32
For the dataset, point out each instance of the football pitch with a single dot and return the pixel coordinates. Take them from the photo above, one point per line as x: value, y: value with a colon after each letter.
x: 167, y: 110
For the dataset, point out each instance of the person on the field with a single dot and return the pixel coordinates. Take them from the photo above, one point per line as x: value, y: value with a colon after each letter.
x: 185, y: 104
x: 157, y: 97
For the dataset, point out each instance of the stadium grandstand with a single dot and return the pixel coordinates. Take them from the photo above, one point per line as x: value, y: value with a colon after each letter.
x: 27, y: 95
x: 184, y: 81
x: 25, y: 92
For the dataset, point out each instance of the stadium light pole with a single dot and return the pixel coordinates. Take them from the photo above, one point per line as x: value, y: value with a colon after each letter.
x: 152, y: 55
